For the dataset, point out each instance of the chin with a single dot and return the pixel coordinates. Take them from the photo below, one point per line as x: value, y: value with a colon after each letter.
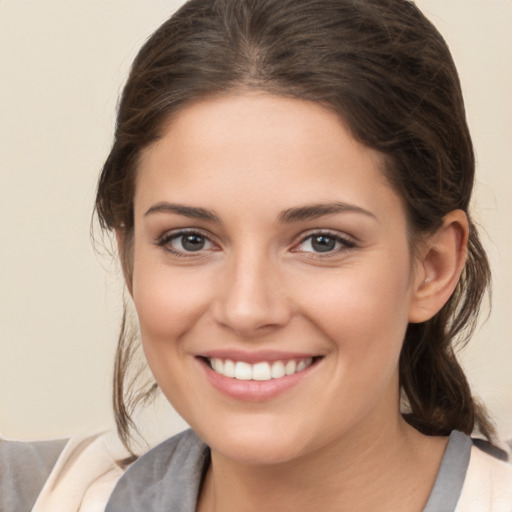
x: 255, y: 442
x: 257, y: 451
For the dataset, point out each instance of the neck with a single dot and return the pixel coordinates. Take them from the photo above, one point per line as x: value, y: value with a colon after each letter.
x: 395, y: 466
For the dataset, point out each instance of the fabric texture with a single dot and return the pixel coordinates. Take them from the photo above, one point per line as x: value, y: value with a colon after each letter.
x: 24, y: 468
x: 166, y: 478
x: 487, y: 486
x: 169, y: 478
x: 75, y: 475
x: 451, y: 475
x: 83, y: 475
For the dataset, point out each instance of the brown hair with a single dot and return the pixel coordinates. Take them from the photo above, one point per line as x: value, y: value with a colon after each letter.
x: 384, y: 68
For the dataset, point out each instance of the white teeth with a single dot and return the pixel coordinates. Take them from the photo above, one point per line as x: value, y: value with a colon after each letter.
x: 261, y: 371
x: 302, y: 365
x: 217, y: 365
x: 290, y: 367
x: 243, y: 371
x: 229, y: 369
x: 277, y: 370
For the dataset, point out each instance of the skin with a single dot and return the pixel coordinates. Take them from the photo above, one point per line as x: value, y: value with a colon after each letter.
x: 259, y: 284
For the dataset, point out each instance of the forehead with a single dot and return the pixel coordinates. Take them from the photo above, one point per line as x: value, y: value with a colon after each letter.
x: 268, y: 149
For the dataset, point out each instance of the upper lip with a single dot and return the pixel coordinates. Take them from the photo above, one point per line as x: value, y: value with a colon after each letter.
x: 255, y: 356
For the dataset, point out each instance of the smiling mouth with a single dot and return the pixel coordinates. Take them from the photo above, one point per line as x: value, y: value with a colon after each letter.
x: 261, y: 371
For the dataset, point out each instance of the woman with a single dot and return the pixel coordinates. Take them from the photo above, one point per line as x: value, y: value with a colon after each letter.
x: 289, y: 187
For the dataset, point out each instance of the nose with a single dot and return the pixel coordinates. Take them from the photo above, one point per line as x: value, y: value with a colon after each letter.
x: 252, y: 300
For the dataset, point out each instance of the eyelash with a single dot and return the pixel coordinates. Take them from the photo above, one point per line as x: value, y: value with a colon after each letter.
x: 165, y: 240
x: 345, y: 243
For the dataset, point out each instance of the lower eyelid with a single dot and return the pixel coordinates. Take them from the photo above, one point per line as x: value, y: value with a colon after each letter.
x: 166, y: 240
x: 344, y: 241
x: 173, y: 235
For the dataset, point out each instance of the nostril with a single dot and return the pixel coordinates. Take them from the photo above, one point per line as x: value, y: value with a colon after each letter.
x: 249, y: 320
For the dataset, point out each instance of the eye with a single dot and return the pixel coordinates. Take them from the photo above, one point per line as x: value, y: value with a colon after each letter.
x: 323, y: 243
x: 185, y: 242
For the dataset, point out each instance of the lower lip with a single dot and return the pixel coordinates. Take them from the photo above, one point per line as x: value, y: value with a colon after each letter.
x: 254, y: 390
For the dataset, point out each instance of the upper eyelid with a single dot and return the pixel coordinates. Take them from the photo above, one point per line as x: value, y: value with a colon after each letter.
x: 333, y: 233
x: 174, y: 233
x: 298, y: 239
x: 347, y: 242
x: 165, y: 240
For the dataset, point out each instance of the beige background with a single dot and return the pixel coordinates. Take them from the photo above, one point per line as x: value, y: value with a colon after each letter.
x: 62, y: 63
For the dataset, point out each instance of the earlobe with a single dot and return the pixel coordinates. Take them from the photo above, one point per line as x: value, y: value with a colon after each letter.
x: 438, y: 270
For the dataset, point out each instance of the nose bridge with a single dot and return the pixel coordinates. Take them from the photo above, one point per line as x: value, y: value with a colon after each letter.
x: 252, y: 296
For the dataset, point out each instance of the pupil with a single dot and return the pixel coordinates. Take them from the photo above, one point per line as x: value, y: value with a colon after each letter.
x: 193, y: 242
x: 323, y: 243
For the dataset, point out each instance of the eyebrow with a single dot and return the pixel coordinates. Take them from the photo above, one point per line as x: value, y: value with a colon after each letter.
x: 296, y: 214
x: 315, y: 211
x: 187, y: 211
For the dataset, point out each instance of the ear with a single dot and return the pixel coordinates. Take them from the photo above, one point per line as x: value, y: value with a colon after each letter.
x: 438, y: 269
x: 125, y: 251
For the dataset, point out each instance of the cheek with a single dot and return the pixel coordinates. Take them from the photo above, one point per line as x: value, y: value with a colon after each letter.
x: 363, y: 314
x: 169, y: 305
x: 363, y: 308
x: 168, y: 302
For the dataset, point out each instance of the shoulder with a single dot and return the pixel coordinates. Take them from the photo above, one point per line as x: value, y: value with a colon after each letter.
x: 84, y: 475
x: 59, y: 476
x: 165, y: 478
x: 24, y: 468
x: 488, y: 484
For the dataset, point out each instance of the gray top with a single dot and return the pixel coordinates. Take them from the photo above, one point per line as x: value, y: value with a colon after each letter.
x: 169, y: 477
x: 24, y: 468
x: 166, y: 478
x: 451, y: 475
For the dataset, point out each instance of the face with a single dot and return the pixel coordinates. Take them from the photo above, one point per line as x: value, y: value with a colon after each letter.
x: 272, y: 277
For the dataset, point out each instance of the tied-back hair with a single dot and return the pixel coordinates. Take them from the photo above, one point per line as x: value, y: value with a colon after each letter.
x: 387, y: 72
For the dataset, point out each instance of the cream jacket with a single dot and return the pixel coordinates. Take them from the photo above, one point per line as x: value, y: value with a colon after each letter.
x: 86, y: 473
